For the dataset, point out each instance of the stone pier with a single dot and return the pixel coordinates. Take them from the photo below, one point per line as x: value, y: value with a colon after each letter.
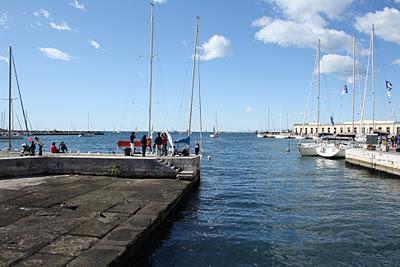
x: 88, y: 210
x: 386, y: 162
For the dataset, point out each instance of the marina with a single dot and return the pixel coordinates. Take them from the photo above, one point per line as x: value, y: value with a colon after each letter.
x: 185, y: 133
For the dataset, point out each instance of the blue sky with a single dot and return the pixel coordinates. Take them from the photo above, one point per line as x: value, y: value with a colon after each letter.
x: 76, y: 58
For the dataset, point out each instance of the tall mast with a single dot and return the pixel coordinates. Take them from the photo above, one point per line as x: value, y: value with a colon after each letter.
x: 318, y: 83
x: 268, y: 120
x: 354, y: 80
x: 9, y: 100
x: 373, y: 77
x: 151, y: 62
x: 196, y: 40
x: 200, y: 114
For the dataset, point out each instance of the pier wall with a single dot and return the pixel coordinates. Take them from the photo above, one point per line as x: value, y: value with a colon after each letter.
x: 388, y: 162
x: 132, y: 167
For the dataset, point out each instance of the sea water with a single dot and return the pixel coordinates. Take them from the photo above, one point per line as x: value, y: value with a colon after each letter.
x: 259, y: 205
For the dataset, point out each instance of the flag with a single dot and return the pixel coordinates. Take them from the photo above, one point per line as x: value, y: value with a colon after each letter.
x: 332, y: 122
x: 389, y: 85
x: 345, y: 90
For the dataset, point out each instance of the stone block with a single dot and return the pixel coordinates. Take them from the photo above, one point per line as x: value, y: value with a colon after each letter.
x: 69, y: 245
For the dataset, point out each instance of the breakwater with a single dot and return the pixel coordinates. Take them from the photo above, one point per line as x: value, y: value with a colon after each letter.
x: 101, y: 210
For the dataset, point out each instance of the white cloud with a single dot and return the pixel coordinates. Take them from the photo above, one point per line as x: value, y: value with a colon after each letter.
x: 76, y: 5
x: 312, y: 11
x: 3, y: 20
x: 95, y: 44
x: 301, y: 34
x: 54, y: 53
x: 217, y: 47
x: 397, y: 1
x: 336, y: 64
x: 63, y: 26
x: 397, y: 61
x: 160, y: 1
x: 249, y: 109
x: 4, y: 59
x: 386, y: 24
x: 42, y: 13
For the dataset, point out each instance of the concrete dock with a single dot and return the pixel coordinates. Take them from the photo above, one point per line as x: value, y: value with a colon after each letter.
x: 387, y: 162
x: 86, y: 210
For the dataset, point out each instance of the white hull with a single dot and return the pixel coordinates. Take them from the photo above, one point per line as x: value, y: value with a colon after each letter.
x: 214, y: 135
x: 279, y: 136
x: 330, y: 150
x: 308, y: 150
x: 299, y: 137
x: 261, y: 136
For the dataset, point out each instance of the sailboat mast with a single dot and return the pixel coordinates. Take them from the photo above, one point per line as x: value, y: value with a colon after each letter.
x: 318, y: 83
x: 354, y: 80
x: 268, y: 119
x: 10, y: 100
x: 151, y: 63
x: 200, y: 113
x: 196, y: 40
x: 373, y: 76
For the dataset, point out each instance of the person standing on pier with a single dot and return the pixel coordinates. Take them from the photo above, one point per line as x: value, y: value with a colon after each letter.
x: 33, y: 147
x: 164, y: 144
x: 158, y: 143
x: 39, y: 142
x: 143, y: 142
x: 197, y: 149
x: 132, y: 141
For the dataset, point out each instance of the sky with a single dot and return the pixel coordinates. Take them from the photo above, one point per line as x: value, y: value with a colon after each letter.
x: 84, y: 64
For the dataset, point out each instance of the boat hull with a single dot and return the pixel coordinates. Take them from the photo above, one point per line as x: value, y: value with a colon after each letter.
x: 308, y: 150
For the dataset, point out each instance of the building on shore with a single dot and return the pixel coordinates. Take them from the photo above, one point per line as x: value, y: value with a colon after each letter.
x: 391, y: 127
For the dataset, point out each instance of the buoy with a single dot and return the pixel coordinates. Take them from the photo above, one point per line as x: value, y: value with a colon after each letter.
x: 209, y: 157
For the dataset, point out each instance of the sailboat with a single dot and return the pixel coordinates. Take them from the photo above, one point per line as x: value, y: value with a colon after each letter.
x: 310, y: 149
x: 88, y: 133
x: 186, y: 140
x: 336, y: 147
x: 10, y: 135
x: 215, y: 133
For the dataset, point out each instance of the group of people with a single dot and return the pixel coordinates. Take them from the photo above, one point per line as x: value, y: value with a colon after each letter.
x: 160, y: 145
x: 33, y: 143
x: 395, y: 140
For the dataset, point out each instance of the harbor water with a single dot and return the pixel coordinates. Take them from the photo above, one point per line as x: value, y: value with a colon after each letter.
x: 259, y: 205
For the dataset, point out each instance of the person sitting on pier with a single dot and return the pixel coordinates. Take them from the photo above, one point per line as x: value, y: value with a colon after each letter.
x: 53, y: 148
x: 62, y: 148
x: 143, y: 142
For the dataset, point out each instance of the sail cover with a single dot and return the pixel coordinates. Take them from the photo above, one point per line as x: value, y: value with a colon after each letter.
x: 185, y: 140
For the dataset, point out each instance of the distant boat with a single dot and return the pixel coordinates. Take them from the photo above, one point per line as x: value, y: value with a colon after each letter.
x: 88, y: 133
x: 216, y: 132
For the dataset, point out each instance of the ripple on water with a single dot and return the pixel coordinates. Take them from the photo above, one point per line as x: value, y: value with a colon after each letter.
x: 259, y: 205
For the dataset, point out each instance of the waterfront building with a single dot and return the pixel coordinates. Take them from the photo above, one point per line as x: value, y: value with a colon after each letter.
x: 391, y: 127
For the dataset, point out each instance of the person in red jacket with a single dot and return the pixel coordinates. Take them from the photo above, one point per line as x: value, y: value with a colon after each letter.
x: 53, y: 148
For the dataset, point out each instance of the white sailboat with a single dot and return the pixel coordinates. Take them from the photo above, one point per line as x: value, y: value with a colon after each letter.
x: 336, y: 148
x: 310, y: 149
x: 216, y: 132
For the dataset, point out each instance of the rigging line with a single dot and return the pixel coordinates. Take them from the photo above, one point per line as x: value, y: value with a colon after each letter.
x: 365, y: 86
x: 309, y: 94
x: 16, y: 116
x: 19, y: 92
